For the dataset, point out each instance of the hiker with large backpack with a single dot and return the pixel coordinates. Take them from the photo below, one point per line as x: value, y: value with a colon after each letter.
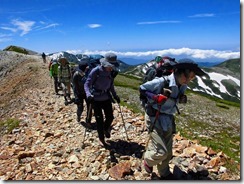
x: 79, y: 79
x: 100, y: 91
x: 162, y: 66
x: 53, y: 70
x: 162, y: 96
x: 65, y: 79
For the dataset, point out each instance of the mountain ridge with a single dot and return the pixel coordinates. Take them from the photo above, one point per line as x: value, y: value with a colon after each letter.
x: 47, y: 145
x: 226, y: 87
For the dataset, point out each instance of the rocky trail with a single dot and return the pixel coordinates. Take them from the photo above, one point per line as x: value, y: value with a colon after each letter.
x: 50, y: 144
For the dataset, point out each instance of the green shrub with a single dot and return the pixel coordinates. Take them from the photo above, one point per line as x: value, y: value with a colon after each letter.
x: 222, y: 106
x: 17, y: 49
x: 8, y: 125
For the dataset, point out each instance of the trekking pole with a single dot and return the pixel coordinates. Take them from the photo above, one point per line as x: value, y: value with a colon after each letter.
x: 152, y: 127
x: 89, y: 111
x: 123, y: 122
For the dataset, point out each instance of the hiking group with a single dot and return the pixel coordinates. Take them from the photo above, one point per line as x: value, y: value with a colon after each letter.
x: 163, y: 87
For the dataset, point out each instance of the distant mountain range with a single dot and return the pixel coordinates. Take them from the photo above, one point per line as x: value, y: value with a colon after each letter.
x: 222, y: 80
x: 134, y: 62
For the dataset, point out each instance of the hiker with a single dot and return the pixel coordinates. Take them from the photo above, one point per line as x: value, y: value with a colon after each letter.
x: 79, y: 79
x: 161, y: 66
x: 99, y: 88
x: 53, y: 68
x: 65, y: 79
x: 162, y: 95
x: 44, y: 57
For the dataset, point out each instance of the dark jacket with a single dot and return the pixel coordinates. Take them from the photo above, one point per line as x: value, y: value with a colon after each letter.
x: 99, y: 84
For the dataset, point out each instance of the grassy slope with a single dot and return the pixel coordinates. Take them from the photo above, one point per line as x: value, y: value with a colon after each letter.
x: 211, y: 126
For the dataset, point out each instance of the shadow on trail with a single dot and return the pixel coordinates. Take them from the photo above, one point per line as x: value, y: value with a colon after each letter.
x: 178, y: 174
x: 124, y: 148
x: 89, y: 126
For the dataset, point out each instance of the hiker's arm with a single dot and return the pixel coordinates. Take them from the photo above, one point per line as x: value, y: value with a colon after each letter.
x: 91, y: 78
x: 112, y: 90
x: 152, y: 86
x: 76, y: 85
x: 151, y: 90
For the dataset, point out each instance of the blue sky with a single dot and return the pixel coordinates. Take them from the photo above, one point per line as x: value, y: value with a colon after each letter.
x: 196, y: 28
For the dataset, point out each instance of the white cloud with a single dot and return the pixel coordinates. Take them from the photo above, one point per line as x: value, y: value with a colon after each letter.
x: 202, y: 15
x: 194, y: 53
x: 24, y: 26
x: 10, y: 29
x: 4, y: 35
x: 159, y: 22
x: 5, y: 39
x: 94, y: 25
x: 49, y: 26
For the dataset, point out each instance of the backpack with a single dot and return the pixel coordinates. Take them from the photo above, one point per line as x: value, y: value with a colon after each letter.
x: 54, y: 69
x: 150, y: 73
x: 162, y: 67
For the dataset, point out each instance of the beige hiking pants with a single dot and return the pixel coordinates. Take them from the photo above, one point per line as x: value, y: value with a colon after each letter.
x: 159, y: 150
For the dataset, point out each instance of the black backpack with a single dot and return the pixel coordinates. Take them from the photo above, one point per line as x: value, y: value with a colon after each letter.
x: 166, y: 68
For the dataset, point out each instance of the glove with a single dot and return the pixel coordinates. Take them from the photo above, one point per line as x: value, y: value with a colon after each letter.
x: 159, y: 98
x: 117, y: 99
x: 166, y: 92
x: 90, y: 99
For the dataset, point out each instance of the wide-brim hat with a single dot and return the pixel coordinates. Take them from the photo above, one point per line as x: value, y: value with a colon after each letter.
x: 110, y: 60
x: 63, y: 60
x: 191, y: 65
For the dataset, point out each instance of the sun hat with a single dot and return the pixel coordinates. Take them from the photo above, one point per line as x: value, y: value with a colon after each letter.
x: 109, y: 60
x: 63, y: 60
x: 189, y: 64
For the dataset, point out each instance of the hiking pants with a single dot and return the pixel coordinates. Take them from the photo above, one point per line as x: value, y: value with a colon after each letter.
x: 80, y: 108
x: 102, y: 124
x: 159, y: 150
x: 55, y: 78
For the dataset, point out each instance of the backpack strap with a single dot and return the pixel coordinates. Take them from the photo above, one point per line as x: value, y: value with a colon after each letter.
x: 166, y: 85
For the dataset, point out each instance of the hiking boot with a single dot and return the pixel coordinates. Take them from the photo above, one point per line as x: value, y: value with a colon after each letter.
x: 147, y: 167
x: 88, y: 121
x: 107, y: 133
x: 66, y: 102
x: 168, y: 177
x: 78, y: 118
x: 89, y: 125
x: 104, y: 144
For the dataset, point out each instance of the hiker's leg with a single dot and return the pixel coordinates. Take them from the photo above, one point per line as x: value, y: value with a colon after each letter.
x: 68, y: 89
x: 80, y: 109
x: 159, y: 150
x: 163, y: 167
x: 88, y: 112
x: 55, y: 84
x: 108, y: 112
x: 99, y: 119
x: 147, y: 122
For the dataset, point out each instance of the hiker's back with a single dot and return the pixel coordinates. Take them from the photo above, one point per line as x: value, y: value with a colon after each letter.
x: 150, y: 73
x: 54, y: 68
x: 161, y: 66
